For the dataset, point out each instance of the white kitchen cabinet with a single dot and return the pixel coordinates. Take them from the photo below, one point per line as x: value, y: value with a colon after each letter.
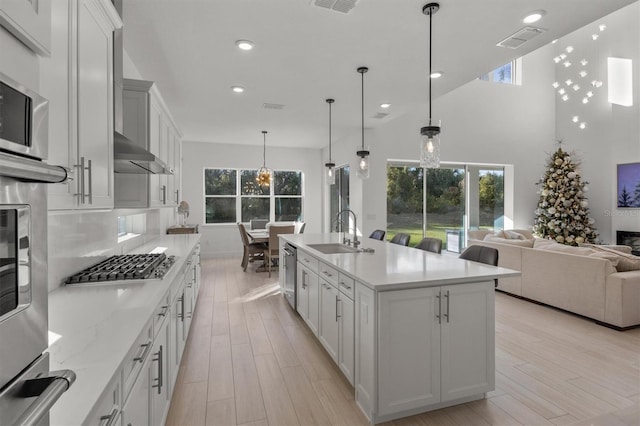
x: 346, y: 349
x: 449, y: 357
x: 107, y: 409
x: 147, y: 122
x: 159, y: 375
x: 329, y: 318
x: 136, y: 410
x: 365, y: 352
x: 308, y: 297
x: 81, y: 122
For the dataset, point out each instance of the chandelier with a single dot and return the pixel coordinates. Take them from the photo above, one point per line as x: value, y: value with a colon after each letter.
x: 264, y: 174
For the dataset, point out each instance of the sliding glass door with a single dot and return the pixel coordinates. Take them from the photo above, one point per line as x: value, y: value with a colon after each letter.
x: 442, y: 203
x: 339, y: 198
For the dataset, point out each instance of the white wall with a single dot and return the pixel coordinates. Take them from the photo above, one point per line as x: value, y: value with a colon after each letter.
x: 612, y: 135
x: 481, y: 123
x: 224, y: 240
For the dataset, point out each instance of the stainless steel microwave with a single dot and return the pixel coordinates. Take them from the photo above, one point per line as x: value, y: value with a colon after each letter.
x: 24, y: 120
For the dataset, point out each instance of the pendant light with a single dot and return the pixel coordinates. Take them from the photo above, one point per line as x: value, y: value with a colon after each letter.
x: 430, y: 145
x: 331, y: 173
x: 362, y: 171
x: 264, y: 174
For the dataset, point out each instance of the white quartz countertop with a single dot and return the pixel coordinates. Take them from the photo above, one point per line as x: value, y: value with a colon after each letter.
x: 97, y: 326
x: 395, y: 267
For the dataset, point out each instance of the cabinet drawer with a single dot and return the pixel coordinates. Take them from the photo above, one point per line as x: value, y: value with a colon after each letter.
x: 136, y: 357
x: 329, y: 273
x: 106, y: 412
x: 308, y: 261
x: 347, y: 286
x: 162, y: 312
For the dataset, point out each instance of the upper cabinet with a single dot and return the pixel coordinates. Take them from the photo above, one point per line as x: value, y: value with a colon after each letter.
x: 29, y: 21
x: 148, y: 122
x: 78, y: 81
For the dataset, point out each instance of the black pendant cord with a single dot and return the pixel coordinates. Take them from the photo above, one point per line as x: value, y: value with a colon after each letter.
x: 329, y: 132
x: 264, y: 149
x: 430, y: 50
x: 362, y: 74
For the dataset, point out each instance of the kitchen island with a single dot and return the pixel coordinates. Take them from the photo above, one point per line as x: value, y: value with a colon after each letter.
x: 413, y: 331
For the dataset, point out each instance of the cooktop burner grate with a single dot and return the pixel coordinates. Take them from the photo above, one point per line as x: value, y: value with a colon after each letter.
x: 125, y: 267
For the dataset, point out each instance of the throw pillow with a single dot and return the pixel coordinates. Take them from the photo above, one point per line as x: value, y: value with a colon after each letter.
x: 612, y: 258
x: 513, y: 235
x: 616, y: 247
x: 541, y: 242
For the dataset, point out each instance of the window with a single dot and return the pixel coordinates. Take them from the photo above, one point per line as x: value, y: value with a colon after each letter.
x: 509, y: 73
x: 220, y: 190
x: 131, y: 226
x: 233, y: 195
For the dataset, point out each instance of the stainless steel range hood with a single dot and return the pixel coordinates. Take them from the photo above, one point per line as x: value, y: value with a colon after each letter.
x: 128, y: 156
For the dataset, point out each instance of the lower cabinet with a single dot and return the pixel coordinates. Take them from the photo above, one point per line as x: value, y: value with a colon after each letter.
x: 308, y: 288
x: 337, y: 327
x: 140, y: 394
x: 435, y: 347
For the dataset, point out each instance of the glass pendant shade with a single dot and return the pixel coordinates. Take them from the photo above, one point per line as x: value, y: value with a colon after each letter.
x: 330, y: 174
x: 362, y: 171
x: 430, y: 146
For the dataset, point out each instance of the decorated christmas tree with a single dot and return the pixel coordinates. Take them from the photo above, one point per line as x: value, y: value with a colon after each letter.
x: 563, y: 210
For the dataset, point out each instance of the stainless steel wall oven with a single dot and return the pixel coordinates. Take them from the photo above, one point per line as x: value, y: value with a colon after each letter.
x: 27, y: 388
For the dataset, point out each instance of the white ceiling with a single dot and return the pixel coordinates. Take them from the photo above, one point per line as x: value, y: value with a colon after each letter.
x: 305, y: 54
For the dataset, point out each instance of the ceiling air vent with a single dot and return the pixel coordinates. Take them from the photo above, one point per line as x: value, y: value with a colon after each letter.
x: 343, y: 6
x: 521, y: 37
x: 272, y: 106
x: 380, y: 115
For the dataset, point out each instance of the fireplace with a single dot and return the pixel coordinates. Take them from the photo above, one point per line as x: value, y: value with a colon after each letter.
x: 629, y: 238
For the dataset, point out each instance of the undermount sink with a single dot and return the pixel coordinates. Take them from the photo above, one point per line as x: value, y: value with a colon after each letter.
x: 333, y: 248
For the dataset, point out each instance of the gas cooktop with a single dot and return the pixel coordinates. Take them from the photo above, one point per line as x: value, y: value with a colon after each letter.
x: 124, y: 268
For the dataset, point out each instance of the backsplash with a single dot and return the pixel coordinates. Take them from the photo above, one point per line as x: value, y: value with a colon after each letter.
x: 77, y: 240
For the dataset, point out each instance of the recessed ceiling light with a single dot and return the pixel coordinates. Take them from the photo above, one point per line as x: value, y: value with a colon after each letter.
x: 237, y: 89
x: 533, y: 17
x: 603, y: 27
x: 569, y: 49
x: 436, y: 74
x: 244, y: 44
x: 385, y: 105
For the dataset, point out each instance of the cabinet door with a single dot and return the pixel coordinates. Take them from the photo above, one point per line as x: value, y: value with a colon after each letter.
x: 155, y: 132
x: 302, y: 292
x: 409, y: 349
x: 329, y: 318
x: 177, y: 167
x: 365, y: 373
x: 95, y: 106
x: 136, y: 410
x: 346, y: 354
x: 314, y: 302
x: 159, y: 373
x: 468, y: 335
x: 178, y: 323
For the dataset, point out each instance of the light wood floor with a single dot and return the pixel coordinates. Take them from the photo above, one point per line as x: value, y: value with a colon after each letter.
x: 250, y: 360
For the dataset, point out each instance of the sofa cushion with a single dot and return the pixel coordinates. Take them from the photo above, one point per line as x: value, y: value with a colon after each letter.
x: 541, y: 242
x: 562, y: 248
x: 514, y: 242
x: 612, y: 258
x: 616, y: 247
x: 626, y: 262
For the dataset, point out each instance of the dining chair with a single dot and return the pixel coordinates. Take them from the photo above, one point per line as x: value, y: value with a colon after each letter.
x: 430, y: 244
x: 272, y: 252
x: 481, y: 254
x: 251, y: 251
x: 378, y: 234
x: 258, y: 223
x: 401, y: 239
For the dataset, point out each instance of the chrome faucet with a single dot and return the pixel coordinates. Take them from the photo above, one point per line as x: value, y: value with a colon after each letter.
x: 356, y: 243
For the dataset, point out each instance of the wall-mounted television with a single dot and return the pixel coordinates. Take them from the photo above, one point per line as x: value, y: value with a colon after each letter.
x: 629, y: 185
